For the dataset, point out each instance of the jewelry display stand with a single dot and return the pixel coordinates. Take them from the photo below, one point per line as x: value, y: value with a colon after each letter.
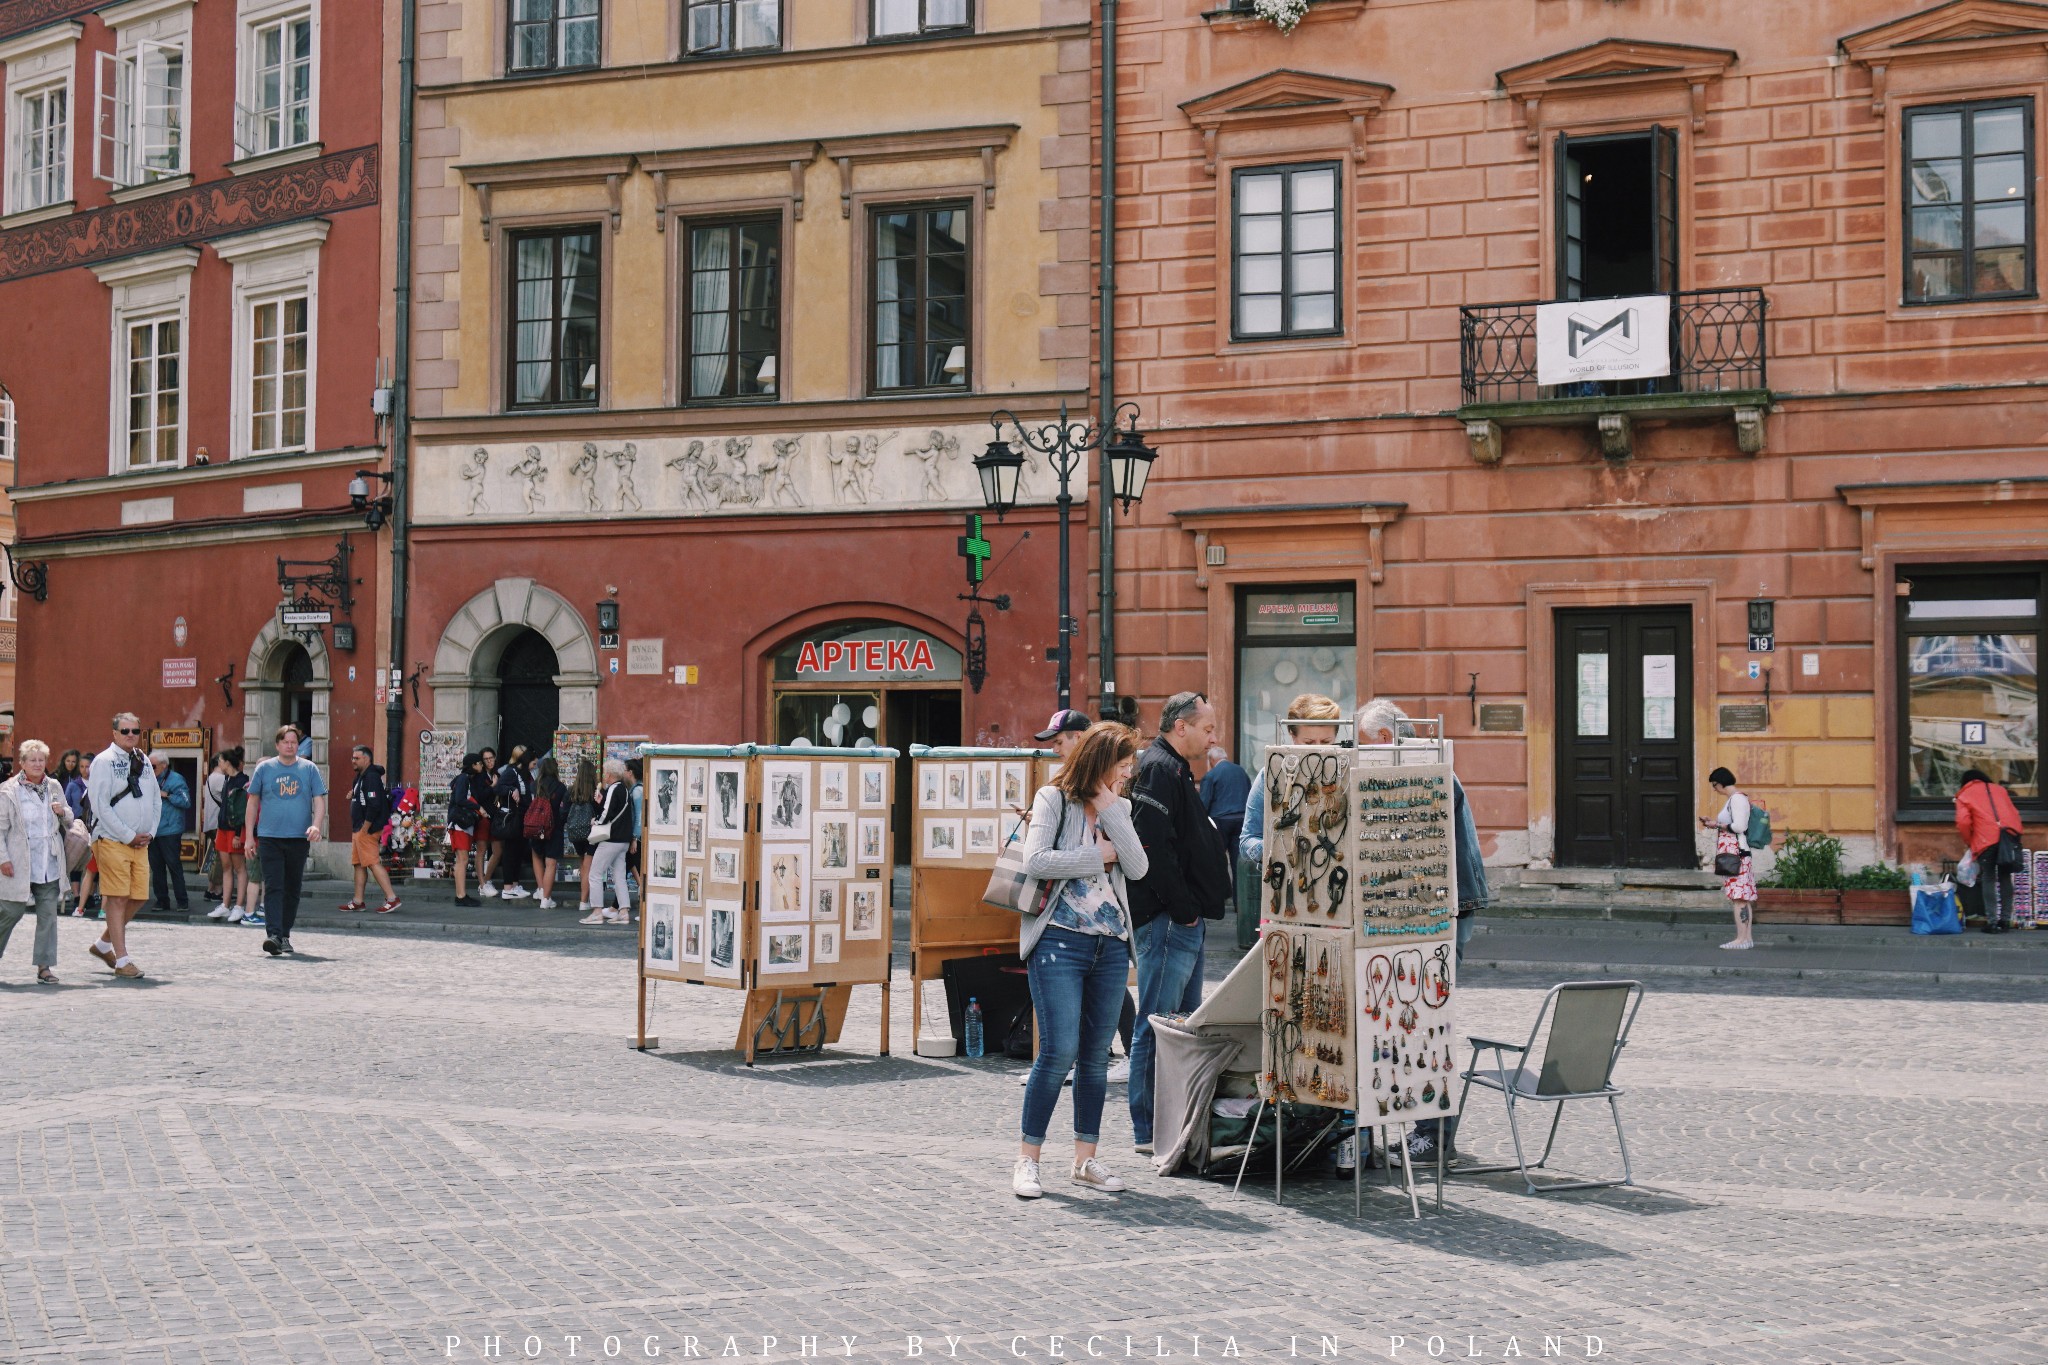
x: 1360, y: 896
x: 956, y: 793
x: 769, y: 871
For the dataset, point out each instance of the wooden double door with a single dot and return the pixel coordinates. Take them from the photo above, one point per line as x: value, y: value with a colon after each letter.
x: 1624, y: 738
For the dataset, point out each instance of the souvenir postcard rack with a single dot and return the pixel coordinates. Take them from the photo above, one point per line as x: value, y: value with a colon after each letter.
x: 964, y: 810
x: 768, y: 870
x: 1360, y: 896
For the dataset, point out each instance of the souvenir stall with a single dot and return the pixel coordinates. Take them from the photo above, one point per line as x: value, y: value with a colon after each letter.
x: 768, y: 871
x: 967, y: 806
x: 1359, y: 955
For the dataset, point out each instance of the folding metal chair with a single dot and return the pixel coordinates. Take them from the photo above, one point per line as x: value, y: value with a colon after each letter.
x: 1589, y: 1025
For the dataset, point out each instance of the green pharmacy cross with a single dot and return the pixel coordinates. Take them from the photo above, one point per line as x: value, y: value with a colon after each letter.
x: 975, y: 549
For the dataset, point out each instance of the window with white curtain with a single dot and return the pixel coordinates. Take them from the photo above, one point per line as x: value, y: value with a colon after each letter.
x: 155, y: 392
x: 39, y: 152
x: 554, y: 318
x: 735, y: 320
x: 714, y: 28
x: 917, y: 18
x: 552, y: 35
x: 277, y: 375
x: 919, y: 274
x: 143, y: 98
x: 279, y: 104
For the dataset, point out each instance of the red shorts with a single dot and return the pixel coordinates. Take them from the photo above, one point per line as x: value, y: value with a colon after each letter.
x: 458, y: 839
x: 226, y: 841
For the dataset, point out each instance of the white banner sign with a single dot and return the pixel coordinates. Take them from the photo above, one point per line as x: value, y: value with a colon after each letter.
x: 1603, y: 339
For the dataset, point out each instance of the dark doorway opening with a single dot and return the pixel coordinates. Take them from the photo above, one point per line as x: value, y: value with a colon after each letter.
x: 529, y: 703
x: 917, y: 716
x: 1624, y: 738
x: 1617, y: 214
x: 295, y: 693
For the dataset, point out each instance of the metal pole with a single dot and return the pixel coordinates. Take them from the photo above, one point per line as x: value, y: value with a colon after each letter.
x: 401, y: 392
x: 1065, y: 462
x: 1105, y: 608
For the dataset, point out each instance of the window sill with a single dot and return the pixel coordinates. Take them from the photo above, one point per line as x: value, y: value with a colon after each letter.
x: 1229, y: 20
x: 958, y: 390
x: 305, y: 151
x: 540, y: 72
x: 935, y: 35
x: 2029, y: 815
x: 547, y: 409
x: 129, y: 193
x: 41, y: 215
x: 760, y: 400
x: 2005, y: 306
x: 765, y: 51
x: 1307, y: 341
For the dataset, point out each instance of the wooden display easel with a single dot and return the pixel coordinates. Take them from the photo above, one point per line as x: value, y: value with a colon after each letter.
x: 948, y: 918
x: 786, y: 1012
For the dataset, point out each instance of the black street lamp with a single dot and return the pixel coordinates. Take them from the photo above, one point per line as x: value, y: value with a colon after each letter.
x: 1064, y: 443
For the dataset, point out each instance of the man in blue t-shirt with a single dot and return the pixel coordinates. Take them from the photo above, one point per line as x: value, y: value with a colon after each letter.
x: 287, y: 812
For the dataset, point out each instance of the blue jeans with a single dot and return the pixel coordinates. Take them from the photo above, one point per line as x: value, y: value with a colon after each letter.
x: 1169, y: 982
x: 1077, y: 989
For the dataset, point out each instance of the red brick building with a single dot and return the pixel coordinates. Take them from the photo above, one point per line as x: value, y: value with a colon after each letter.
x: 192, y: 283
x: 1331, y: 247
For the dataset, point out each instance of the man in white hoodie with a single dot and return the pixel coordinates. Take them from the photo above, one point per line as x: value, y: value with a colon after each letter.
x: 125, y: 805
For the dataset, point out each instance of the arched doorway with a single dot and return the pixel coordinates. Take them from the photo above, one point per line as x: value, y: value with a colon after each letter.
x: 286, y: 680
x: 529, y: 703
x: 488, y: 636
x: 295, y: 689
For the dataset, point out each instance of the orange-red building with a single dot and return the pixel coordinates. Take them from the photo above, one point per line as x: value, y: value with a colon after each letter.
x: 1378, y: 478
x: 192, y: 311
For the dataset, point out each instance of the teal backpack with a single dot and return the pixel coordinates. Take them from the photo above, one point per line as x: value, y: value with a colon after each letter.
x: 1759, y: 832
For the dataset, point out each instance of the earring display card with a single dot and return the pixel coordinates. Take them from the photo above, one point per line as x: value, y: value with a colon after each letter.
x: 1308, y: 1054
x: 1308, y: 874
x: 1403, y: 1001
x: 1404, y: 872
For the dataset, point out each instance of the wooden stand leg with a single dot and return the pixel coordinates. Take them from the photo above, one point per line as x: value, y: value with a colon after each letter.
x: 885, y: 1018
x: 916, y: 1009
x: 641, y: 1041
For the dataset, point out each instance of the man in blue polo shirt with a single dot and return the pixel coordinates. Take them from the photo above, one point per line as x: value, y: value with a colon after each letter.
x: 287, y: 812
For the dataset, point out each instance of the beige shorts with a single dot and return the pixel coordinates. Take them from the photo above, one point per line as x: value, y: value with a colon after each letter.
x: 124, y: 871
x: 362, y: 849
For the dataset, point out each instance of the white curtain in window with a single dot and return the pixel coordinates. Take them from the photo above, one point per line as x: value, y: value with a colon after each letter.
x: 895, y: 16
x: 710, y: 311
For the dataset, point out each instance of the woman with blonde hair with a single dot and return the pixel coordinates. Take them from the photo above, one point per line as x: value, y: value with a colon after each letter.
x: 611, y: 834
x: 1082, y: 848
x: 1312, y: 719
x: 33, y: 818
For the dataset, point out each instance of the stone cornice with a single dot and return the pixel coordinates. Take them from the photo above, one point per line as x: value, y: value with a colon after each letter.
x: 1284, y: 97
x: 1870, y: 498
x: 1958, y: 30
x: 148, y: 481
x: 1612, y: 66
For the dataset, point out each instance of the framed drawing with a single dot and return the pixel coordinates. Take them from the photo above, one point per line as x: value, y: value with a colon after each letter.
x: 785, y: 950
x: 665, y: 797
x: 871, y: 839
x: 832, y: 780
x: 874, y: 786
x: 693, y: 835
x: 931, y: 779
x: 664, y: 933
x: 1015, y: 779
x: 725, y: 866
x: 956, y: 785
x: 984, y: 786
x: 693, y: 938
x: 785, y: 800
x: 981, y: 837
x: 785, y: 877
x: 825, y: 902
x: 722, y: 940
x: 834, y: 845
x: 864, y: 912
x: 696, y: 779
x: 728, y: 800
x: 693, y: 887
x: 942, y: 838
x: 664, y: 865
x: 826, y: 939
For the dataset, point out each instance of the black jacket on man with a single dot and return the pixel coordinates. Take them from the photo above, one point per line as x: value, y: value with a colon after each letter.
x: 1190, y: 873
x: 369, y: 801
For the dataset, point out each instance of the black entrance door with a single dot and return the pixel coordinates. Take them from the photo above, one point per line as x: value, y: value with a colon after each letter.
x: 1624, y: 738
x: 529, y: 706
x: 917, y: 716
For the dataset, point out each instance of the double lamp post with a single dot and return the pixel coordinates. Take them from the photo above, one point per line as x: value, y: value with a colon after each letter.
x: 1127, y: 463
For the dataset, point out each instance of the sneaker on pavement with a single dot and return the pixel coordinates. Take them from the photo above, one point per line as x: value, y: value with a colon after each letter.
x: 1420, y: 1148
x: 470, y: 901
x: 128, y: 970
x: 218, y: 912
x: 1143, y: 1148
x: 105, y: 955
x: 545, y: 903
x: 595, y: 917
x: 286, y: 944
x: 1024, y: 1179
x: 348, y: 906
x: 1119, y: 1071
x: 514, y: 893
x: 254, y: 921
x: 487, y: 890
x: 1096, y: 1176
x: 236, y: 914
x: 388, y: 906
x: 272, y: 946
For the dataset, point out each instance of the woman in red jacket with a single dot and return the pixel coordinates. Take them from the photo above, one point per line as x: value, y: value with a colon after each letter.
x: 1984, y: 811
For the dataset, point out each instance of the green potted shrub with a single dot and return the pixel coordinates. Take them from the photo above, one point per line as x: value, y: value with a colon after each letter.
x: 1805, y: 887
x: 1878, y: 894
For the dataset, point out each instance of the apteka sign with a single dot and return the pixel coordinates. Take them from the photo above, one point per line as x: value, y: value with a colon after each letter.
x: 865, y: 656
x: 1589, y: 340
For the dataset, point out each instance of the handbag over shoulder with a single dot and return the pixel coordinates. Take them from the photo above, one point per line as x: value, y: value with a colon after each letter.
x: 1010, y: 887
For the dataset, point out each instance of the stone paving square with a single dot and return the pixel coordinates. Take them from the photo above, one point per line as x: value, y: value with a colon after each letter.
x: 427, y: 1148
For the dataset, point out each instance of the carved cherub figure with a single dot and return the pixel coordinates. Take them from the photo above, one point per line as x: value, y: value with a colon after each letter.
x: 473, y: 474
x: 585, y: 469
x: 623, y: 462
x: 534, y: 470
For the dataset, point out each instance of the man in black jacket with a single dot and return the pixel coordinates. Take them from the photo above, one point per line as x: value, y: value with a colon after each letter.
x: 1187, y: 885
x: 369, y: 810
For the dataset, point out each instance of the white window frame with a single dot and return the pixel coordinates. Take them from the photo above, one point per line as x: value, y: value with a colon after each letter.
x: 148, y: 289
x: 145, y: 32
x: 6, y: 426
x: 36, y: 66
x: 254, y: 17
x: 270, y: 266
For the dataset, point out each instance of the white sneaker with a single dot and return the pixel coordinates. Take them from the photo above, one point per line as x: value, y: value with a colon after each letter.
x: 487, y: 889
x: 237, y: 914
x: 1119, y: 1071
x: 544, y: 903
x: 219, y: 911
x: 583, y: 908
x: 514, y: 893
x: 1096, y: 1176
x: 1024, y: 1180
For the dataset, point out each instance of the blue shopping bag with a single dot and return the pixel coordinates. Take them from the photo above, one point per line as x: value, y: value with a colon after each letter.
x: 1934, y: 910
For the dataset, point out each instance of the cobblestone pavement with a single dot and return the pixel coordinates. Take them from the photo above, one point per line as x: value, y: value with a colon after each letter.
x: 390, y: 1142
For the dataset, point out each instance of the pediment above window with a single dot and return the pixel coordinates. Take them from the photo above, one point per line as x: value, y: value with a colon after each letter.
x: 1644, y: 79
x: 1282, y: 99
x: 1948, y: 46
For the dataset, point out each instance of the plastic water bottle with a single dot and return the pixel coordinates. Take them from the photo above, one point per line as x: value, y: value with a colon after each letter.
x: 1918, y: 880
x: 974, y: 1044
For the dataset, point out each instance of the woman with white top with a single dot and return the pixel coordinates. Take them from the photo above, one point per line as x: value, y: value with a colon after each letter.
x: 1082, y: 848
x: 1731, y: 839
x: 33, y: 818
x: 611, y: 834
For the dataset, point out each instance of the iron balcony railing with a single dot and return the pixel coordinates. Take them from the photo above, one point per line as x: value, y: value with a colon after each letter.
x: 1717, y: 346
